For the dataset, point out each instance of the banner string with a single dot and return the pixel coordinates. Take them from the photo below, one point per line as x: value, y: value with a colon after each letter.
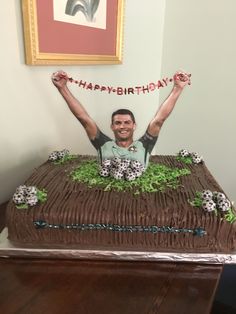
x: 142, y: 89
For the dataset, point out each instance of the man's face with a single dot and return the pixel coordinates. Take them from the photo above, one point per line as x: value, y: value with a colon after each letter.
x: 123, y: 127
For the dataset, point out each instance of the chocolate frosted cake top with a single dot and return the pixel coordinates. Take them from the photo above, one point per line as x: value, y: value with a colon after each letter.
x: 161, y: 214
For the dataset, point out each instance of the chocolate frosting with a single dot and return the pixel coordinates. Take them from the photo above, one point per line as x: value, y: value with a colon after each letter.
x: 70, y: 202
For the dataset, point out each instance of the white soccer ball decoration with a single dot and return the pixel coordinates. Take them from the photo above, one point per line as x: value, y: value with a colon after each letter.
x: 104, y: 172
x: 219, y: 196
x: 18, y: 198
x: 31, y: 200
x: 115, y: 162
x: 215, y: 201
x: 130, y: 176
x: 207, y: 195
x: 117, y: 174
x: 53, y: 156
x: 121, y: 168
x: 106, y: 163
x: 31, y: 190
x: 58, y: 155
x: 223, y: 205
x: 21, y: 189
x: 208, y: 205
x: 184, y: 153
x: 25, y: 195
x: 196, y: 158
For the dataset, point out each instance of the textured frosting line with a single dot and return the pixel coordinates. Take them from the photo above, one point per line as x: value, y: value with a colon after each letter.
x: 71, y: 202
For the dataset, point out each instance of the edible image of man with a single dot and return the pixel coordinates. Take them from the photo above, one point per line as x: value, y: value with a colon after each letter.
x: 123, y: 124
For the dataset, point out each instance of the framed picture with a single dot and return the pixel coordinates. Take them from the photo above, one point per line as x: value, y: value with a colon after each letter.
x: 73, y: 31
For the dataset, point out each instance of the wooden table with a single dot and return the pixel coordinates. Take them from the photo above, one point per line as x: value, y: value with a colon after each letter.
x: 74, y: 286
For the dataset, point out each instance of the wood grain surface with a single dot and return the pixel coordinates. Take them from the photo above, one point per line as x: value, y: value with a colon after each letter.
x: 36, y: 286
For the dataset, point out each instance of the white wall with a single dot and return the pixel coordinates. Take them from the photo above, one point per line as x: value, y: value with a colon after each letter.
x: 34, y: 119
x: 199, y: 36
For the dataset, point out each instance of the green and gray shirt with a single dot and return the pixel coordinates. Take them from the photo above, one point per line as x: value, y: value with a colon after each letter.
x: 139, y: 150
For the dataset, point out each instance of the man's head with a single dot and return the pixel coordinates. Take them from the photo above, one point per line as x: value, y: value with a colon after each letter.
x: 123, y: 125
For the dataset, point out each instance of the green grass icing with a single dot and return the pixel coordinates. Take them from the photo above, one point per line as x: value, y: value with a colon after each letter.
x: 157, y: 177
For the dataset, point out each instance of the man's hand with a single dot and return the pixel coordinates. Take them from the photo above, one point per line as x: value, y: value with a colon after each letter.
x: 59, y: 79
x: 181, y: 79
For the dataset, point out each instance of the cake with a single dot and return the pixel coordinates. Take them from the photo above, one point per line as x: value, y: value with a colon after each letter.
x: 83, y: 215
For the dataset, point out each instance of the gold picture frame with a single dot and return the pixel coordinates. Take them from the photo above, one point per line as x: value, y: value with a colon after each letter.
x: 54, y: 42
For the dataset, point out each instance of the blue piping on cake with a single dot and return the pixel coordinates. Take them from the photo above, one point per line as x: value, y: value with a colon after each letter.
x: 41, y: 224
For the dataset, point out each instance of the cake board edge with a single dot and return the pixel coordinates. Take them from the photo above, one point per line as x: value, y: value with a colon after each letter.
x: 8, y: 250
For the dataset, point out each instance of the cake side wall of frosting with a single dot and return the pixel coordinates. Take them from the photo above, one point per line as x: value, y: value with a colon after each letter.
x: 73, y: 203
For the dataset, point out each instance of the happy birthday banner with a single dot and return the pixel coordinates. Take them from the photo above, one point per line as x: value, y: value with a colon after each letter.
x: 122, y: 90
x: 126, y: 90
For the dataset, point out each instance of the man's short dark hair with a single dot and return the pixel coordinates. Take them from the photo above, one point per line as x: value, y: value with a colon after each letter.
x: 123, y: 111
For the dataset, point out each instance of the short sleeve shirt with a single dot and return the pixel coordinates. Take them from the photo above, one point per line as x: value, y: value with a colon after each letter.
x: 139, y: 150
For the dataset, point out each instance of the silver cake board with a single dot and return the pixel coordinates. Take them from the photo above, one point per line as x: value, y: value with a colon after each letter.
x: 7, y: 250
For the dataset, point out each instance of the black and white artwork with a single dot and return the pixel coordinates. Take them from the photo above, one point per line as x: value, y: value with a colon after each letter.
x: 90, y: 13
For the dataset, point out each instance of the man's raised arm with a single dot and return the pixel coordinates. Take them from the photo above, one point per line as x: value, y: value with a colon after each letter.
x: 60, y: 80
x: 181, y: 79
